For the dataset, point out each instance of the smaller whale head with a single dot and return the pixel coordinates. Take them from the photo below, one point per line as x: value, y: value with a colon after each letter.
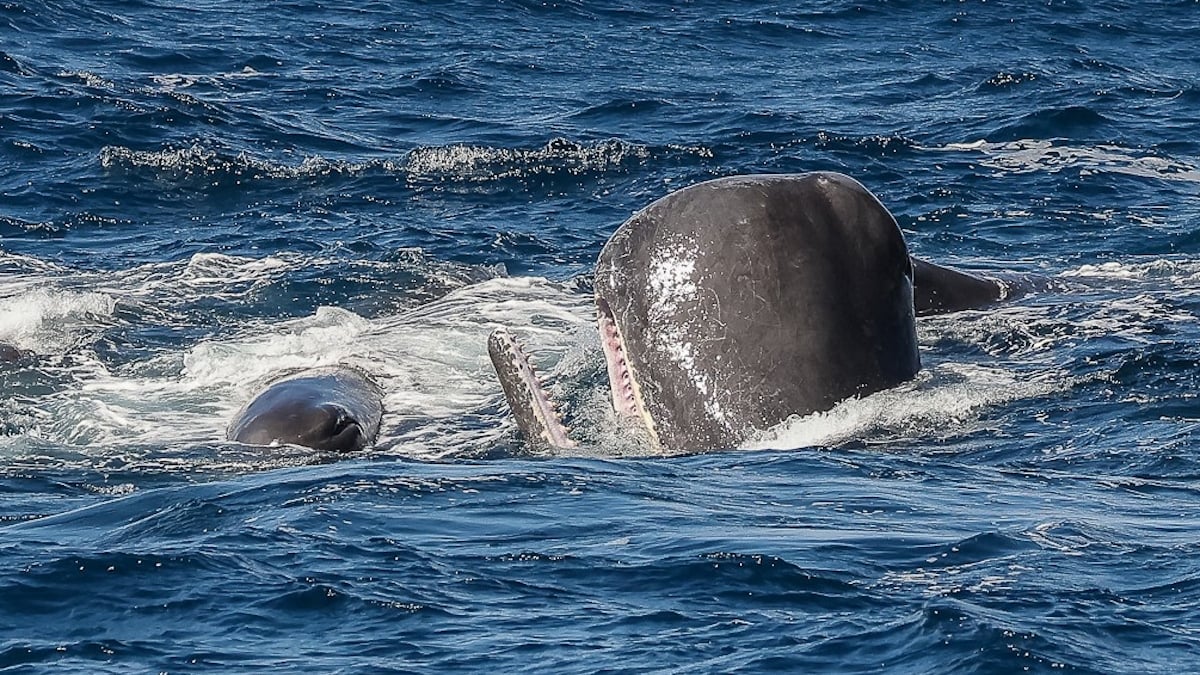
x: 323, y: 426
x: 11, y: 354
x: 335, y: 408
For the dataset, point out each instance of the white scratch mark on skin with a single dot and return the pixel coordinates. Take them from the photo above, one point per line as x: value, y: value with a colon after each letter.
x: 714, y: 408
x: 670, y: 279
x: 676, y: 316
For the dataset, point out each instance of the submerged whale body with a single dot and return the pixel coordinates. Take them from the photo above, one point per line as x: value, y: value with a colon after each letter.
x: 11, y: 354
x: 334, y: 408
x: 728, y: 306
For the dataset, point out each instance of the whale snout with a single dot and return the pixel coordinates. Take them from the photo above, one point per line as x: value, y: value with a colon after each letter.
x: 335, y: 409
x: 335, y: 429
x: 326, y: 426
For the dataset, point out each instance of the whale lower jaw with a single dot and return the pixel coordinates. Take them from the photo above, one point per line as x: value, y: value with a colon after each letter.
x: 533, y: 410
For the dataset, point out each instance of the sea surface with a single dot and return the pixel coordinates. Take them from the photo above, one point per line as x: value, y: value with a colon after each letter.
x: 196, y: 195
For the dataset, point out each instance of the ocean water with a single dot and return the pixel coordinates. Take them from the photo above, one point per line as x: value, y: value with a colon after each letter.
x: 196, y: 195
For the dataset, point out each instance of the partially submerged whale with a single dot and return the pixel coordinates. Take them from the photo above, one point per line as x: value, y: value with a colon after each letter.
x: 11, y: 354
x: 726, y: 307
x: 331, y: 408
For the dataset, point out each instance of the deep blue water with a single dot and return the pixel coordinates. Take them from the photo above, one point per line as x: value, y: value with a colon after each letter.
x: 196, y: 195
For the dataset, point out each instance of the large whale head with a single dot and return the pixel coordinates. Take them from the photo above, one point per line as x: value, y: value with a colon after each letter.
x: 728, y: 306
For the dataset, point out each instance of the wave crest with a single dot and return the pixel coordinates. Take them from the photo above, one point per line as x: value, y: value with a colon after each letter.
x: 442, y: 163
x: 1028, y: 156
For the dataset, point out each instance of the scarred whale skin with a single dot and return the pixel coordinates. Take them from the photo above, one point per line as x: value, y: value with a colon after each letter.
x: 742, y: 301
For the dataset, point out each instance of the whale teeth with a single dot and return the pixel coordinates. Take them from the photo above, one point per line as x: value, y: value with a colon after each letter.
x: 537, y: 415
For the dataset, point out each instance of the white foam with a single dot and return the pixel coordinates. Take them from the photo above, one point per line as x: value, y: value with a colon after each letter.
x: 327, y: 337
x: 492, y: 163
x: 48, y: 320
x: 431, y: 362
x: 181, y: 398
x: 174, y: 81
x: 1182, y: 271
x: 946, y: 398
x: 87, y: 78
x: 1027, y: 156
x: 212, y: 275
x: 466, y: 163
x: 199, y: 160
x: 189, y: 397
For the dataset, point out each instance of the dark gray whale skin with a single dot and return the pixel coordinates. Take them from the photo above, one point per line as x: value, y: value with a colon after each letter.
x: 10, y: 354
x: 335, y: 408
x: 937, y: 289
x: 742, y: 301
x: 729, y: 306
